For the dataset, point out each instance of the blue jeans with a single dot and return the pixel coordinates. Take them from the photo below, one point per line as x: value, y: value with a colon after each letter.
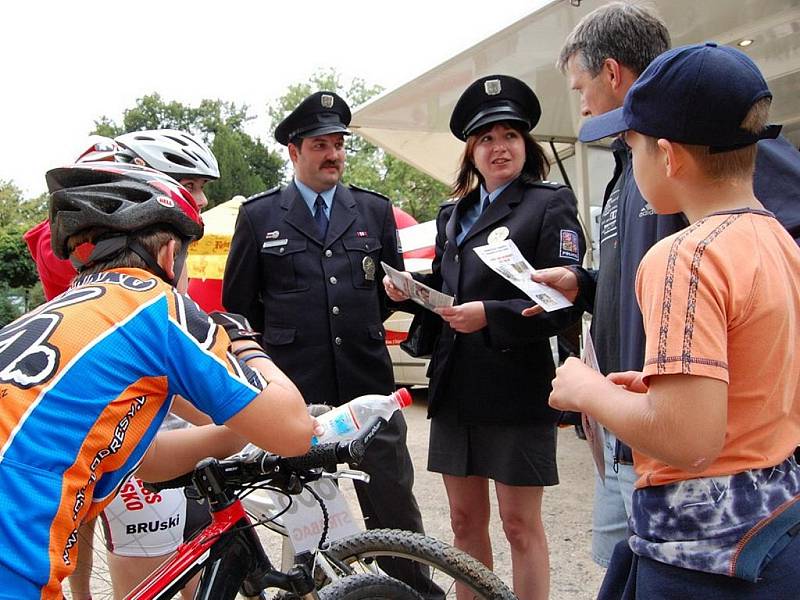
x: 612, y: 505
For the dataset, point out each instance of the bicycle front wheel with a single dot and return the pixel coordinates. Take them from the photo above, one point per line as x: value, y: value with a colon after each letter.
x: 448, y: 566
x: 368, y: 587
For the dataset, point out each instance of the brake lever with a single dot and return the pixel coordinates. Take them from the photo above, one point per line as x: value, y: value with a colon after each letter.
x: 352, y: 474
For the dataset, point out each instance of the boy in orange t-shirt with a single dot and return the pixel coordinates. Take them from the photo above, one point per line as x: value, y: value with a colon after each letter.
x: 714, y: 417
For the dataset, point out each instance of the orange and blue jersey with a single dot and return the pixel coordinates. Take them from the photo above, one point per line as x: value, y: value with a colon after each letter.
x: 85, y: 382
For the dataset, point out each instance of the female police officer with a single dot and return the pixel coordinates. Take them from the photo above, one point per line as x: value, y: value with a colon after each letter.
x: 491, y: 368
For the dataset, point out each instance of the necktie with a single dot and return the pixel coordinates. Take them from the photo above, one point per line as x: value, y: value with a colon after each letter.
x: 485, y: 204
x: 319, y: 216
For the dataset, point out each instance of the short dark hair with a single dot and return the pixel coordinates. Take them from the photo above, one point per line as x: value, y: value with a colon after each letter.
x: 151, y: 239
x: 626, y: 32
x: 536, y: 166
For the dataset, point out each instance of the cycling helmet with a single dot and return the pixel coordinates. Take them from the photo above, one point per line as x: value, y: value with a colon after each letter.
x: 176, y: 153
x: 99, y: 148
x: 118, y: 198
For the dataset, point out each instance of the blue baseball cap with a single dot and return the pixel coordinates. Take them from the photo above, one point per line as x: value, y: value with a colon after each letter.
x: 697, y: 94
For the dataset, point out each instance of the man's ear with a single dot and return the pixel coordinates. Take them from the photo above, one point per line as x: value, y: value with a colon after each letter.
x: 166, y: 258
x: 620, y: 78
x: 612, y: 71
x: 293, y: 152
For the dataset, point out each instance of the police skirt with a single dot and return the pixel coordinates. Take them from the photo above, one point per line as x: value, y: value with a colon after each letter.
x: 523, y: 455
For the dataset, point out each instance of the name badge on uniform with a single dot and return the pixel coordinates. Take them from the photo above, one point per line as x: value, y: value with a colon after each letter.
x: 274, y: 243
x: 368, y: 266
x: 498, y: 235
x: 272, y: 235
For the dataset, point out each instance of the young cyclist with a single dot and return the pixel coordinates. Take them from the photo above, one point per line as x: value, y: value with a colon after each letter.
x: 139, y: 528
x: 714, y: 418
x: 87, y: 378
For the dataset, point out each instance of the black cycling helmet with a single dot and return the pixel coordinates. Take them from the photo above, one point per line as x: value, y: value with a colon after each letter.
x: 116, y: 198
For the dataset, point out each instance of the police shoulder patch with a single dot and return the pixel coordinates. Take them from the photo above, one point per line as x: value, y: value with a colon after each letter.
x: 569, y: 245
x: 259, y: 195
x: 374, y: 193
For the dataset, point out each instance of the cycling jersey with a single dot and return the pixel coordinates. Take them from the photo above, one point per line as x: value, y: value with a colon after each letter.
x: 85, y: 381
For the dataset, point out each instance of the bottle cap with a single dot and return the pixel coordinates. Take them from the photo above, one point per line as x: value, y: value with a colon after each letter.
x: 403, y: 397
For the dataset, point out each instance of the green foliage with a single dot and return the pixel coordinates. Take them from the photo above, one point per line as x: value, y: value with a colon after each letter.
x: 8, y: 310
x: 16, y: 265
x: 17, y: 271
x: 246, y: 165
x: 367, y: 165
x: 18, y: 212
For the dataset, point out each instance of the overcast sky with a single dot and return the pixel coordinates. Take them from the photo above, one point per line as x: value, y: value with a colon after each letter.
x: 65, y: 63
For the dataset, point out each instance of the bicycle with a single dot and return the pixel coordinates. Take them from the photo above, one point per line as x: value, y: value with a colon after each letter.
x: 345, y: 568
x: 229, y: 554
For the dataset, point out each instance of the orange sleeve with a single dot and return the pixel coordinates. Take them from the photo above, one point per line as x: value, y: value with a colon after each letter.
x: 682, y: 290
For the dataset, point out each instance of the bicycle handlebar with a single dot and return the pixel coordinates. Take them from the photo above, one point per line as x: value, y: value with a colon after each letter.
x: 238, y: 471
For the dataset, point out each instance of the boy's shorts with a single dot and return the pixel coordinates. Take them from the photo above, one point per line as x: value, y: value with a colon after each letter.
x: 631, y: 577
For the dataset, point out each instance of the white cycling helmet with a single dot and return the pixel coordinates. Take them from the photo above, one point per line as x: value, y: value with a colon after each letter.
x: 176, y: 153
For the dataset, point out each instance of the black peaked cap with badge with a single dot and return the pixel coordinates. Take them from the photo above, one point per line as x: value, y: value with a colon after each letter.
x: 319, y: 114
x: 492, y: 99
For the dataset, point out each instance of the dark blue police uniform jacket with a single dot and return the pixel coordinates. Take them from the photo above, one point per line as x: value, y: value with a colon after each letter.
x: 502, y: 373
x: 320, y: 304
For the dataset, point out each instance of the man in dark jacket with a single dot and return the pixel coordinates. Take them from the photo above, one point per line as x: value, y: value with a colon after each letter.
x: 305, y: 268
x: 602, y: 57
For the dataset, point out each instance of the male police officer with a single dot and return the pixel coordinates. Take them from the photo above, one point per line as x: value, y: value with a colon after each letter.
x: 305, y: 268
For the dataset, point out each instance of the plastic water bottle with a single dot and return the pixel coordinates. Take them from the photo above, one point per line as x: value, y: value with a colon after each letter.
x: 344, y: 422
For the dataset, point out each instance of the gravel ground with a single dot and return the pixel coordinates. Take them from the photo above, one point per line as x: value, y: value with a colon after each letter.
x: 567, y: 510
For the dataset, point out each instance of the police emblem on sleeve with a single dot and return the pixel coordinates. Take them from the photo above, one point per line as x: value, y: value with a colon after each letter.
x: 569, y: 247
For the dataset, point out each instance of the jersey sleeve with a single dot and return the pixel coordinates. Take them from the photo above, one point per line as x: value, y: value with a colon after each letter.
x: 683, y: 292
x: 200, y: 368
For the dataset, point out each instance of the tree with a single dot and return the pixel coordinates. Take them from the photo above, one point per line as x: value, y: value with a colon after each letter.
x: 15, y: 211
x: 16, y: 266
x: 18, y: 276
x: 367, y: 165
x: 246, y: 165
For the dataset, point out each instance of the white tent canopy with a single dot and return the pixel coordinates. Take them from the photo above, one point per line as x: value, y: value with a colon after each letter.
x: 411, y: 121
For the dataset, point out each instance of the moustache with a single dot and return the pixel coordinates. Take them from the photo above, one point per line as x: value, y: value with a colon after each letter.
x: 334, y: 164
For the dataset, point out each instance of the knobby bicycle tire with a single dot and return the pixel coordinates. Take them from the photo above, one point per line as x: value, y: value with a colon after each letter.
x: 368, y: 587
x: 360, y: 552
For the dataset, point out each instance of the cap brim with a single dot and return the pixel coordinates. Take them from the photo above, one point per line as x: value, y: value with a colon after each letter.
x: 602, y: 126
x: 325, y: 130
x: 496, y: 118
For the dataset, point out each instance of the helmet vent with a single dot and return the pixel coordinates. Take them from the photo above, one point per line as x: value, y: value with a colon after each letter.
x: 178, y: 140
x: 180, y: 160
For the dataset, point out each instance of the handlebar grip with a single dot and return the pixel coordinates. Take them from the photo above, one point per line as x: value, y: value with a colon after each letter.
x: 326, y: 455
x: 179, y: 482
